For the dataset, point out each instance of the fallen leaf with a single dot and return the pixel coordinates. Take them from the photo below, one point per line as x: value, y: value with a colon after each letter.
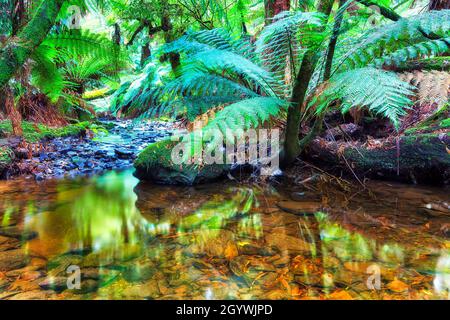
x: 397, y: 286
x: 340, y: 295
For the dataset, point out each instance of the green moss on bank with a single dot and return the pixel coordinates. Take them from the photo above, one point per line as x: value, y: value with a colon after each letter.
x: 6, y: 157
x: 35, y: 132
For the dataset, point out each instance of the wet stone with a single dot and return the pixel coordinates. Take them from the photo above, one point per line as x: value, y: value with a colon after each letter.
x: 297, y: 207
x: 17, y: 233
x: 13, y: 259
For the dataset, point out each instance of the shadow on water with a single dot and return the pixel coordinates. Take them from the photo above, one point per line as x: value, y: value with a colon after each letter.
x: 135, y: 240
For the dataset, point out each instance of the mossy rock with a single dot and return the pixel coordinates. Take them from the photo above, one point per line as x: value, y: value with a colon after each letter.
x: 155, y: 164
x: 33, y: 132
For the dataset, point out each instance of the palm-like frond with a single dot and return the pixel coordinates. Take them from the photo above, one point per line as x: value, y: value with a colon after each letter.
x: 382, y: 92
x: 234, y: 118
x: 387, y: 39
x: 286, y: 37
x: 45, y: 74
x: 204, y: 40
x: 425, y: 49
x: 82, y: 43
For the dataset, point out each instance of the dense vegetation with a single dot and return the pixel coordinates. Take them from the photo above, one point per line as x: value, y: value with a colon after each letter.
x: 234, y: 64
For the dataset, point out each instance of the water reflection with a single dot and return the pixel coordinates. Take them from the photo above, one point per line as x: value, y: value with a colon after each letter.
x: 225, y: 241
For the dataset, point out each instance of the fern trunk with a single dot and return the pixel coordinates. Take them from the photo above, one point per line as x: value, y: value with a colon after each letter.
x: 15, y: 53
x: 274, y: 7
x: 292, y: 146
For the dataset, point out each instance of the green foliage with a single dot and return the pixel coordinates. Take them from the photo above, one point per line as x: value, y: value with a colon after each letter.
x: 393, y: 39
x: 242, y: 115
x: 421, y: 50
x: 68, y: 62
x: 83, y: 43
x: 380, y: 91
x: 35, y: 132
x: 287, y: 38
x: 6, y: 157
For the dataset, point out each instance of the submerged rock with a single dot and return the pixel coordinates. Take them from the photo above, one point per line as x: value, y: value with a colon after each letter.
x: 13, y: 259
x: 296, y: 207
x: 14, y: 232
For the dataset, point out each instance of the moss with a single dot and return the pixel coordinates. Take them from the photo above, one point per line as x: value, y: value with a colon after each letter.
x: 6, y: 157
x: 35, y: 132
x: 155, y: 164
x: 156, y: 154
x: 423, y: 156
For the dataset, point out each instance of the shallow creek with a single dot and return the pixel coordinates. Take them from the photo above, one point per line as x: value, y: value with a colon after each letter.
x: 134, y: 240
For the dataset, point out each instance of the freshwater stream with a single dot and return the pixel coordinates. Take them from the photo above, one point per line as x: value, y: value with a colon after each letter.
x: 135, y: 240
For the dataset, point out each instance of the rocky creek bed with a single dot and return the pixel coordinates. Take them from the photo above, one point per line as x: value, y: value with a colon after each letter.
x: 136, y: 240
x: 86, y: 153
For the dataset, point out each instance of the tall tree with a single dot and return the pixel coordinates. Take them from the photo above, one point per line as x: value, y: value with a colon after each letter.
x: 15, y: 53
x: 274, y: 7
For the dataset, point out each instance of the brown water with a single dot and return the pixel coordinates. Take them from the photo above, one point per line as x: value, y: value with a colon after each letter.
x: 133, y: 240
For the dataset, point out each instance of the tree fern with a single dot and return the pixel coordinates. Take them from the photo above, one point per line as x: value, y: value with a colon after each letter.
x: 239, y: 116
x: 424, y: 49
x: 389, y: 38
x: 382, y: 92
x: 285, y: 37
x: 83, y: 43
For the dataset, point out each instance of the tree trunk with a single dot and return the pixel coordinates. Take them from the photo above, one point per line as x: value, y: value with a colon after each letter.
x: 439, y: 4
x: 333, y: 42
x: 174, y: 57
x: 274, y: 7
x: 18, y: 15
x: 15, y: 53
x: 145, y: 53
x: 12, y: 113
x: 292, y: 146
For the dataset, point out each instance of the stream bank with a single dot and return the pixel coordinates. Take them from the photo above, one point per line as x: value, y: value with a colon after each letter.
x: 109, y: 145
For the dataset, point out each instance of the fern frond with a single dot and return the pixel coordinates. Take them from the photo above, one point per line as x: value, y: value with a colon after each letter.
x: 380, y: 91
x: 234, y: 119
x: 389, y: 38
x: 425, y: 49
x: 285, y: 38
x: 45, y: 74
x: 83, y: 43
x: 191, y: 87
x: 234, y: 66
x: 219, y: 38
x: 432, y: 86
